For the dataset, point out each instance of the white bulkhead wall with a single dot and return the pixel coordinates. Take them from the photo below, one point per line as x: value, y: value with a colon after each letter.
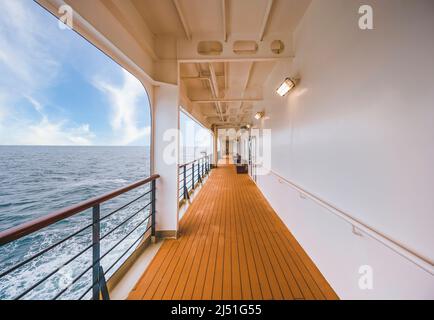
x: 358, y: 132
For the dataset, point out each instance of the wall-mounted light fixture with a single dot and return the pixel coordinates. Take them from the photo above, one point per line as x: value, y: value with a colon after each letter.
x: 259, y: 115
x: 285, y: 87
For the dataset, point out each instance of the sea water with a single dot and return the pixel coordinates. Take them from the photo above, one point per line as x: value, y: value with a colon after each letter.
x: 37, y: 180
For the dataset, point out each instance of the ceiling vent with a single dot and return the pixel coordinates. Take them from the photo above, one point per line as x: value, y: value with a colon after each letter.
x: 245, y: 47
x: 210, y: 48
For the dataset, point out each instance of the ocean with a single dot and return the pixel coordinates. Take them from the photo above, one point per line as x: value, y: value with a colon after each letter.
x: 37, y: 180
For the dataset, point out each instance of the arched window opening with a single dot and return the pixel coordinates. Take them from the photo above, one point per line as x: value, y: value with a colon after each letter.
x: 73, y: 125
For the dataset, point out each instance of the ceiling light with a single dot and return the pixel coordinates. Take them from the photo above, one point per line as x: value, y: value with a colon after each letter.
x: 285, y: 87
x: 259, y: 115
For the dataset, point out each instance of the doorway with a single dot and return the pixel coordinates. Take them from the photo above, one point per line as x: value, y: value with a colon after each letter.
x: 252, y: 158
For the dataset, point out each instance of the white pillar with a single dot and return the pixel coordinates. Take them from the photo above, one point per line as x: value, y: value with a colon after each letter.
x: 166, y: 121
x: 215, y: 146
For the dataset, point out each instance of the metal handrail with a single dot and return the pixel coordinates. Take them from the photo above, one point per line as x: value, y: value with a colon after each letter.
x: 423, y: 262
x: 196, y: 160
x: 27, y: 228
x: 98, y: 275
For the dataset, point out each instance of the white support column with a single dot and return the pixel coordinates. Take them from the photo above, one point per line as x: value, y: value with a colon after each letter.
x: 166, y: 119
x: 215, y: 160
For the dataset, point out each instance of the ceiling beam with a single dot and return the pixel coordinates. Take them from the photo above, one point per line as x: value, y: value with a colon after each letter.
x: 126, y: 13
x: 226, y: 100
x: 265, y: 21
x: 232, y: 59
x: 183, y: 19
x: 200, y: 78
x: 225, y: 20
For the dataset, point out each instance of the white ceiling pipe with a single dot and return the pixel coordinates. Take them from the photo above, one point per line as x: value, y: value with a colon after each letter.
x: 226, y: 72
x: 225, y: 15
x: 215, y: 101
x: 215, y: 89
x: 199, y: 70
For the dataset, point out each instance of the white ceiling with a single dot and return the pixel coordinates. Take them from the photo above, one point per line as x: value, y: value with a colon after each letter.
x: 244, y: 17
x: 219, y: 20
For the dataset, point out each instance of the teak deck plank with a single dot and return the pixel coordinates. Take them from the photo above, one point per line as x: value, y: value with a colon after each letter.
x: 232, y: 245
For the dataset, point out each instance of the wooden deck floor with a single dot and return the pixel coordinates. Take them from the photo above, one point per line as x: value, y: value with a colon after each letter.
x: 232, y: 246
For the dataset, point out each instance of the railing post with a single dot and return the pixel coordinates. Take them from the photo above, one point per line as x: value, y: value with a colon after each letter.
x: 199, y: 170
x: 153, y: 211
x: 185, y: 183
x: 192, y: 176
x: 96, y: 252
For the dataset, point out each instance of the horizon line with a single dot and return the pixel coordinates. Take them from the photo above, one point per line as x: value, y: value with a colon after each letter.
x: 65, y: 145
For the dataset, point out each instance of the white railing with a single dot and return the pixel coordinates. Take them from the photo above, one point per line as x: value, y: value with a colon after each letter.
x: 419, y: 260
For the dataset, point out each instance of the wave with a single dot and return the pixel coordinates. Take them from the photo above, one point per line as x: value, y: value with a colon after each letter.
x: 35, y: 188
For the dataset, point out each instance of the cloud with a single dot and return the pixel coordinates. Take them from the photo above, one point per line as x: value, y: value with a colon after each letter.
x: 124, y: 104
x: 16, y: 129
x: 28, y: 66
x: 39, y: 63
x: 24, y: 131
x: 26, y: 61
x: 50, y: 133
x: 46, y: 132
x: 38, y: 106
